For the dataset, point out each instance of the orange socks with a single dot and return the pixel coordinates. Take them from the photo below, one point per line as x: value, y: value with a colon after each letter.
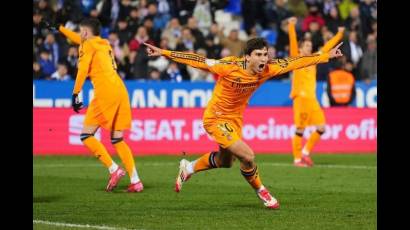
x: 206, y: 161
x: 252, y: 176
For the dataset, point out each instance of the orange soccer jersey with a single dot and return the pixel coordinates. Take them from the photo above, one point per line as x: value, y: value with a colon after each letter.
x: 234, y: 87
x: 110, y: 107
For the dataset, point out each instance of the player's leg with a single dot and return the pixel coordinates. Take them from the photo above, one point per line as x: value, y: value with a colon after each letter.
x: 250, y: 172
x: 318, y: 119
x: 98, y: 149
x: 224, y: 134
x: 300, y: 117
x: 124, y: 152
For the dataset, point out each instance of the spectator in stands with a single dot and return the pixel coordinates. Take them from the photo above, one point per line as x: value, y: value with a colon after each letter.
x: 252, y: 13
x: 159, y: 20
x: 314, y: 17
x: 193, y: 26
x: 173, y: 73
x: 369, y: 61
x: 71, y: 60
x: 173, y: 32
x: 213, y: 50
x: 37, y: 72
x: 353, y: 22
x: 51, y: 45
x: 154, y: 74
x: 46, y: 63
x: 232, y: 42
x: 61, y: 74
x: 298, y: 8
x: 368, y: 14
x: 187, y: 41
x: 153, y: 33
x: 345, y: 7
x: 124, y: 34
x: 316, y: 35
x: 202, y: 13
x: 140, y: 37
x: 44, y: 9
x: 333, y: 20
x: 134, y: 20
x: 279, y: 12
x: 353, y: 52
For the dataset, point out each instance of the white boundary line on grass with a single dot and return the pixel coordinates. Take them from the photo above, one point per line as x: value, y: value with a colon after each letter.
x: 78, y: 225
x: 176, y: 165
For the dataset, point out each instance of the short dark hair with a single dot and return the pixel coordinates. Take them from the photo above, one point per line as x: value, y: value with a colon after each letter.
x: 255, y: 44
x: 93, y: 24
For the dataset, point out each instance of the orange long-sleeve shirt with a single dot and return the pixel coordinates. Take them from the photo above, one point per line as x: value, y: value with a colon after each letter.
x: 304, y: 79
x: 235, y: 85
x: 97, y: 62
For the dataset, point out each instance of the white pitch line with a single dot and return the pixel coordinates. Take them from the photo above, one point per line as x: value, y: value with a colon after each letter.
x: 78, y: 225
x: 175, y: 164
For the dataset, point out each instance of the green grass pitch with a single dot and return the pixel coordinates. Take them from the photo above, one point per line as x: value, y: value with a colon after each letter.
x: 339, y: 192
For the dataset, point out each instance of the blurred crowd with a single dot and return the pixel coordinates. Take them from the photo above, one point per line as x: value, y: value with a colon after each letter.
x: 192, y: 25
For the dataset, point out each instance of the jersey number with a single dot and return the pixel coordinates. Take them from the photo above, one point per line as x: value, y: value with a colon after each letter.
x: 114, y: 65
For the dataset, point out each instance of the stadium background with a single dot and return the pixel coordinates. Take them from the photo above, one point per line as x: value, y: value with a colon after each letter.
x: 167, y: 97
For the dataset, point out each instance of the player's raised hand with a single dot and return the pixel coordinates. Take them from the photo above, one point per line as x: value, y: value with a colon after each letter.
x: 153, y: 51
x: 76, y: 104
x: 341, y: 29
x: 293, y: 20
x: 336, y: 52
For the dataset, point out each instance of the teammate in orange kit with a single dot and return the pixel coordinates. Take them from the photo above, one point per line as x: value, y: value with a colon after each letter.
x: 238, y: 78
x: 110, y: 107
x: 306, y: 108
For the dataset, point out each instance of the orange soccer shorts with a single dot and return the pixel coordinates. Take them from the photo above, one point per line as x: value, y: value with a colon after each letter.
x: 225, y: 132
x: 109, y: 114
x: 307, y: 111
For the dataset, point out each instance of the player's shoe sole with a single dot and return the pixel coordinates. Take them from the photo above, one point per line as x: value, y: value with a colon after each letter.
x: 115, y: 177
x: 182, y: 175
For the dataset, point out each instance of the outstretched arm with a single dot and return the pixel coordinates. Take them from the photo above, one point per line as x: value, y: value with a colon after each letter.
x: 73, y: 36
x: 191, y: 59
x: 293, y: 42
x: 280, y: 66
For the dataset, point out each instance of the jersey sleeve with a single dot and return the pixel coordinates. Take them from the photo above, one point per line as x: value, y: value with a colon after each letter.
x: 84, y: 63
x: 280, y: 66
x: 73, y: 36
x: 197, y: 61
x: 293, y: 42
x: 332, y: 42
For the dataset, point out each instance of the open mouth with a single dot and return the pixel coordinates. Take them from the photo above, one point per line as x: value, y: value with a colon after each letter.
x: 261, y: 66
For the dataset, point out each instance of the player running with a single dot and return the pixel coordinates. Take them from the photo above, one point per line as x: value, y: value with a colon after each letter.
x: 238, y: 78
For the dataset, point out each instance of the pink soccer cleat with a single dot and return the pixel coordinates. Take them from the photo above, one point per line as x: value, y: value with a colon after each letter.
x: 115, y: 177
x: 137, y: 187
x: 301, y: 164
x: 182, y: 175
x: 307, y: 160
x: 268, y: 200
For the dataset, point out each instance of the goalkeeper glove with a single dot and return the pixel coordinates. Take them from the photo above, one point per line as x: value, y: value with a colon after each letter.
x: 75, y: 102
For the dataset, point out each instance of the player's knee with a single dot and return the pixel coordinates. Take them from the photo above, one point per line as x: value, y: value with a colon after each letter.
x: 84, y: 136
x: 115, y: 140
x: 321, y: 130
x: 249, y: 158
x: 299, y: 132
